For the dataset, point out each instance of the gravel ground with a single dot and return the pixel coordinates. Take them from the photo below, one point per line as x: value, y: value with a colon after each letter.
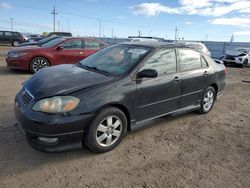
x: 187, y: 150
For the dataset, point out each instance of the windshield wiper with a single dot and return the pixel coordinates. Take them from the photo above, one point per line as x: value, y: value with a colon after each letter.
x: 96, y: 70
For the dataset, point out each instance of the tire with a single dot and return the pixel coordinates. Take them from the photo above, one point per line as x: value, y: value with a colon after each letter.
x: 15, y: 43
x: 207, y: 100
x: 244, y: 63
x: 38, y: 63
x: 106, y: 131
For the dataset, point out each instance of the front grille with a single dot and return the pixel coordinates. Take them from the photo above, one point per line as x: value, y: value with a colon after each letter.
x: 26, y: 97
x: 230, y: 57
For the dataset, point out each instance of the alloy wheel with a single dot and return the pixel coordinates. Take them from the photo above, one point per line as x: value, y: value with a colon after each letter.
x: 208, y: 100
x: 109, y: 131
x: 38, y: 64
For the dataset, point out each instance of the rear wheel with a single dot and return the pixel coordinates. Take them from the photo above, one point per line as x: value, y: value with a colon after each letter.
x: 16, y: 43
x: 207, y: 101
x: 38, y: 63
x: 106, y: 131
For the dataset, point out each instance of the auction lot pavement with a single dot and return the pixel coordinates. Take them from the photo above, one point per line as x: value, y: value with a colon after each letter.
x: 188, y: 150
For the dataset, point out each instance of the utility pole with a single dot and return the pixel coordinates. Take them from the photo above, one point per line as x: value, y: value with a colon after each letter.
x: 112, y: 33
x: 100, y: 27
x: 11, y: 23
x: 58, y: 25
x: 139, y: 34
x: 68, y: 25
x: 54, y: 17
x: 176, y: 33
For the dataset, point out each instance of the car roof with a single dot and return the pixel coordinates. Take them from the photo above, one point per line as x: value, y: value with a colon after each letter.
x: 154, y: 44
x: 69, y: 38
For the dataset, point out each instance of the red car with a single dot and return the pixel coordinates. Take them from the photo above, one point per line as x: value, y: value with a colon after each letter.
x: 58, y: 51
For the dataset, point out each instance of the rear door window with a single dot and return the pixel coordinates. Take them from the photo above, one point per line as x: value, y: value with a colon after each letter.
x: 91, y: 45
x: 189, y: 59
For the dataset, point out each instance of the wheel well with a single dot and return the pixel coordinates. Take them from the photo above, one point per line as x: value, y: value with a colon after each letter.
x: 123, y: 109
x: 41, y: 57
x: 215, y: 87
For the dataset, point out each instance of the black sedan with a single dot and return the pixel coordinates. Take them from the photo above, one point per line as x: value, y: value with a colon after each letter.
x: 116, y: 90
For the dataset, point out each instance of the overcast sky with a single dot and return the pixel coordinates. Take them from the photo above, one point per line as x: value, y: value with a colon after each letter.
x: 195, y: 19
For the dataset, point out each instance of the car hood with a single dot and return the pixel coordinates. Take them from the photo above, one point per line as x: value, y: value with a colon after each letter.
x: 25, y: 48
x: 62, y: 80
x: 234, y: 52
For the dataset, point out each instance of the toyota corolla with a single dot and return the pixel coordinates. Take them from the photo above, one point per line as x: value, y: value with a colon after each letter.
x: 114, y: 91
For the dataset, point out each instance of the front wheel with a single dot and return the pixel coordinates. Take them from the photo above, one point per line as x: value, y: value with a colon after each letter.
x: 244, y: 64
x: 38, y: 63
x: 207, y: 101
x: 106, y: 131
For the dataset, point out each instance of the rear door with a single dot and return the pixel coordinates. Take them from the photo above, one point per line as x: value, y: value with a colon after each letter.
x: 195, y: 74
x: 71, y: 53
x: 8, y: 37
x: 160, y: 95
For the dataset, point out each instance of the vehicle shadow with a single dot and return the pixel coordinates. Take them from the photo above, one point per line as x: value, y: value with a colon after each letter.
x: 4, y: 70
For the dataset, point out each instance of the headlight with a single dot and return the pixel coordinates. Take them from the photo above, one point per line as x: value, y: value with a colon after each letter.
x: 17, y: 54
x: 57, y: 104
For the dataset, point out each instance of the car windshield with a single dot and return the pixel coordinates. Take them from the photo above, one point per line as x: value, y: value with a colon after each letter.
x: 52, y: 42
x: 115, y: 60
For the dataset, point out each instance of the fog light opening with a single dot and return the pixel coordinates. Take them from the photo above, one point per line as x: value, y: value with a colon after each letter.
x: 48, y: 140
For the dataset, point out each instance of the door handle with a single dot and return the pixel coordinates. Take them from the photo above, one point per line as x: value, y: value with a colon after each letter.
x: 177, y: 78
x: 205, y: 73
x: 80, y: 53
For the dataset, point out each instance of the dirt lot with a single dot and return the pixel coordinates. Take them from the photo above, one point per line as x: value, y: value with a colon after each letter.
x: 188, y: 150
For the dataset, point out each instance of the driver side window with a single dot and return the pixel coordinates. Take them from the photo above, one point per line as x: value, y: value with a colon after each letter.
x: 164, y: 61
x: 73, y: 44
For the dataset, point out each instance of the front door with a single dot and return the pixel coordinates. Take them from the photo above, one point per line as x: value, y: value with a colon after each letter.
x: 72, y: 52
x: 160, y: 95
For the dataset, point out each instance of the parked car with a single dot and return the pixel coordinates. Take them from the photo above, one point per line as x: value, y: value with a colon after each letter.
x: 198, y: 45
x: 11, y: 37
x: 51, y: 34
x: 59, y: 34
x: 58, y: 51
x: 115, y: 90
x: 237, y: 56
x: 38, y: 43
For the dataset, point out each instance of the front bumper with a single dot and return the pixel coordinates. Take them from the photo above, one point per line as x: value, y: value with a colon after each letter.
x: 236, y: 61
x: 65, y: 131
x: 20, y: 63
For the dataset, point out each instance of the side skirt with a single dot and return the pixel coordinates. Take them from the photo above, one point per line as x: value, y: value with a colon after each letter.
x: 141, y: 124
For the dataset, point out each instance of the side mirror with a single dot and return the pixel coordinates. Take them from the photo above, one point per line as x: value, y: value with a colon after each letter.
x: 148, y: 73
x: 59, y: 48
